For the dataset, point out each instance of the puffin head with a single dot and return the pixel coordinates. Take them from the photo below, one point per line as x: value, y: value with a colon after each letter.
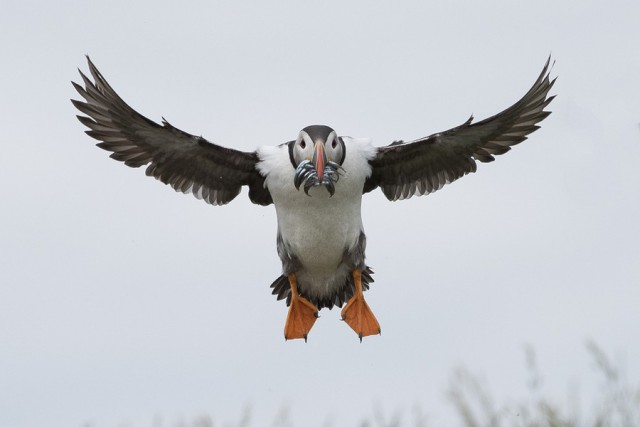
x: 317, y: 155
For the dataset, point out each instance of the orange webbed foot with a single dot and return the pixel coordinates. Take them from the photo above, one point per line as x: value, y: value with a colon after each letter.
x: 357, y: 313
x: 302, y: 314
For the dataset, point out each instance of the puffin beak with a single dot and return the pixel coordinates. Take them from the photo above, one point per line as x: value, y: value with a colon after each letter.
x: 319, y: 159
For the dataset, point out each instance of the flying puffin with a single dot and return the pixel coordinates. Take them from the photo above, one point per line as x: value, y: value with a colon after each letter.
x: 316, y: 183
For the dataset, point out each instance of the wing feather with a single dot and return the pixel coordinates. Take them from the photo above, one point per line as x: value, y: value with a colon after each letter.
x: 188, y: 163
x: 403, y: 170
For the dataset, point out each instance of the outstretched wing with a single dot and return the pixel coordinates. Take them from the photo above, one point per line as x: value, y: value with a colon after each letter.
x: 188, y: 163
x: 425, y: 165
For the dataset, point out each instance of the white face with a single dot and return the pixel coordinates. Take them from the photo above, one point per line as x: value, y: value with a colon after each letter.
x: 317, y: 162
x: 304, y: 148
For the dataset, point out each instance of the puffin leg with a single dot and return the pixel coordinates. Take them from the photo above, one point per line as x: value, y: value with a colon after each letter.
x: 302, y: 314
x: 357, y: 313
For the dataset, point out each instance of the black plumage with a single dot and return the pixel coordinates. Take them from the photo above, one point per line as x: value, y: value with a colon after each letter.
x: 188, y: 163
x: 423, y: 166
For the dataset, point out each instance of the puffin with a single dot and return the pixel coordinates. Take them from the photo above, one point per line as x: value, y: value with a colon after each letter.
x: 315, y: 182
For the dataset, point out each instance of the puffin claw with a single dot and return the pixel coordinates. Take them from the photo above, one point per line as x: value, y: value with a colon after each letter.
x: 357, y: 314
x: 302, y: 314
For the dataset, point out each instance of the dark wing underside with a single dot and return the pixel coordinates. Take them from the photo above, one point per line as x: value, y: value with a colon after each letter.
x: 425, y: 165
x: 188, y: 163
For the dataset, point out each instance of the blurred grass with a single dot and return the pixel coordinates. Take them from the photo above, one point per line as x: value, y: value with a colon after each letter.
x: 615, y: 404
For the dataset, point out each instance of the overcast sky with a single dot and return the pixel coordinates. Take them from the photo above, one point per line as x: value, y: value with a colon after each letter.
x: 122, y: 301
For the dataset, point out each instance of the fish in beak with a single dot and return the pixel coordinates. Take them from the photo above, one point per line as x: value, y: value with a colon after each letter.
x: 317, y: 171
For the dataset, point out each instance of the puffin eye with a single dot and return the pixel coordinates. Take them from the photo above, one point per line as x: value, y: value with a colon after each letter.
x: 334, y: 144
x: 303, y: 144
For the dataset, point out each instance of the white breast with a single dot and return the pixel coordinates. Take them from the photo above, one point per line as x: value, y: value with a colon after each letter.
x: 318, y: 228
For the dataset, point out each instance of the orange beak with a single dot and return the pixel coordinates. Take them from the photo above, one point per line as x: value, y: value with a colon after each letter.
x: 319, y: 159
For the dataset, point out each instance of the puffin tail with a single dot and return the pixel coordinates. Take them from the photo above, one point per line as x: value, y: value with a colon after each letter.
x: 282, y: 290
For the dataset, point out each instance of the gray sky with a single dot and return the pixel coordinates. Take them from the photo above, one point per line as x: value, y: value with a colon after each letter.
x: 121, y: 301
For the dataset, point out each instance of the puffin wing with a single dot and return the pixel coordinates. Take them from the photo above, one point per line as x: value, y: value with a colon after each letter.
x: 188, y: 163
x: 425, y: 165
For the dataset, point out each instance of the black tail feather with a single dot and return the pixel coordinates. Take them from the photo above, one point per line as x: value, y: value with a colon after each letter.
x: 282, y: 290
